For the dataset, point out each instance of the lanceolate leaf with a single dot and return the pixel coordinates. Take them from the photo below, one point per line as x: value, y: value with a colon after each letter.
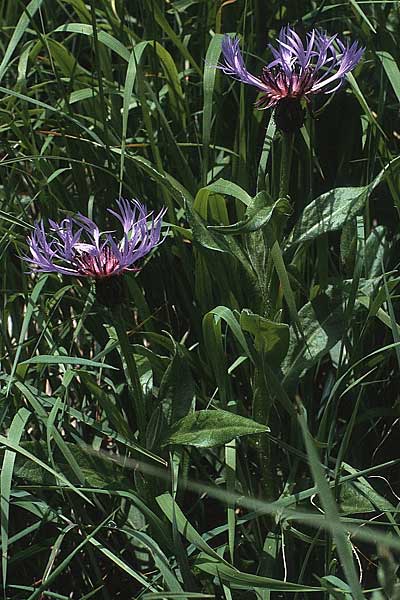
x: 330, y: 212
x: 208, y: 428
x: 333, y: 209
x: 46, y: 359
x: 322, y: 322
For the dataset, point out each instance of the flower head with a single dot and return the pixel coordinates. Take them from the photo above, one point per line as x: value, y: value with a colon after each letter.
x: 75, y: 246
x: 298, y: 70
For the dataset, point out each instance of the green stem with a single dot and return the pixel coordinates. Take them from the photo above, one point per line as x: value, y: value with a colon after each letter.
x: 130, y: 371
x: 273, y: 236
x: 286, y: 163
x: 262, y: 405
x: 263, y: 401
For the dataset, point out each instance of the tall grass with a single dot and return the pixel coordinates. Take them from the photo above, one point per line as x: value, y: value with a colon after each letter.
x: 264, y: 329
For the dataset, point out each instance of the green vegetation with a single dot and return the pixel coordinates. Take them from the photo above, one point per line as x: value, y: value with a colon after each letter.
x: 231, y: 432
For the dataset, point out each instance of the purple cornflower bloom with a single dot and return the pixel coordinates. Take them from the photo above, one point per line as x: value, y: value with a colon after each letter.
x: 75, y: 246
x: 298, y: 70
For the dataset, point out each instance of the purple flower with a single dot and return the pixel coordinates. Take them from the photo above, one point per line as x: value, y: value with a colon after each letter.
x: 75, y: 246
x: 298, y: 70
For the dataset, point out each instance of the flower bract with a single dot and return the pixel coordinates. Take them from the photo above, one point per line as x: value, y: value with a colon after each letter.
x: 75, y: 246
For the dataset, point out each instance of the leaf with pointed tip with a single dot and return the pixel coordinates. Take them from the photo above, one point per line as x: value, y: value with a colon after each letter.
x: 330, y: 212
x: 208, y: 428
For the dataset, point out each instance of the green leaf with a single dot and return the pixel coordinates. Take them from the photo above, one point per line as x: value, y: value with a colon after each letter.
x: 4, y: 216
x: 333, y: 585
x: 214, y: 341
x: 38, y: 402
x: 63, y: 58
x: 343, y: 545
x: 352, y: 500
x: 91, y: 134
x: 249, y: 580
x: 374, y: 252
x: 258, y: 213
x: 15, y: 432
x: 176, y: 97
x: 21, y: 450
x: 359, y: 496
x: 128, y: 89
x: 202, y: 235
x: 323, y: 324
x: 100, y: 471
x: 330, y: 212
x: 47, y: 359
x: 211, y: 205
x: 358, y: 10
x: 157, y: 12
x: 333, y: 209
x: 174, y: 514
x: 216, y: 355
x: 209, y: 428
x: 33, y: 301
x: 280, y: 267
x: 210, y: 240
x: 363, y: 102
x: 177, y: 389
x: 228, y: 188
x: 222, y: 312
x: 391, y: 69
x: 19, y: 31
x: 270, y: 337
x: 103, y: 37
x: 114, y: 416
x: 212, y: 56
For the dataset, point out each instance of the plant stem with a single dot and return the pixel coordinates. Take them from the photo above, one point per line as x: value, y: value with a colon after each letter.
x: 131, y: 371
x: 263, y: 402
x: 275, y: 234
x: 286, y: 163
